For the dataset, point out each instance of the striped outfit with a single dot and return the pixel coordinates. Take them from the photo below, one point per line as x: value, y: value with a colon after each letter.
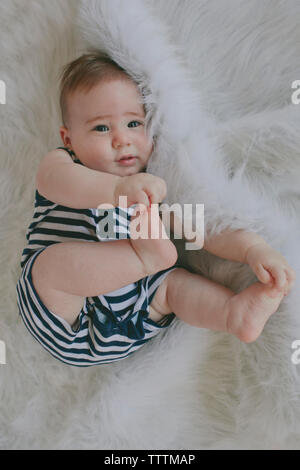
x: 109, y: 327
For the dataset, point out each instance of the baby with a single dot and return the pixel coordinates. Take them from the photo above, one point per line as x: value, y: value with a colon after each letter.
x: 89, y: 302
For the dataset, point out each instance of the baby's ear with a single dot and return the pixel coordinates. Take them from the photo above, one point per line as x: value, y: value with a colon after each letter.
x: 64, y: 134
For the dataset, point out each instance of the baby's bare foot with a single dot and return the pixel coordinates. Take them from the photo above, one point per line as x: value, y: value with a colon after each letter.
x: 151, y: 242
x: 249, y: 310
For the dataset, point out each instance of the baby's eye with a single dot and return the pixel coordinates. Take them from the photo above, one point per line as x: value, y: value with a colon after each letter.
x: 100, y: 128
x: 135, y: 122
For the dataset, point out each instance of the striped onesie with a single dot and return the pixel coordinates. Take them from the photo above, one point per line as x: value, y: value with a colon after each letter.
x: 109, y: 327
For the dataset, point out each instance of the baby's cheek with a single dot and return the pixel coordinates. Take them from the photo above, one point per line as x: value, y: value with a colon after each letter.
x: 148, y: 148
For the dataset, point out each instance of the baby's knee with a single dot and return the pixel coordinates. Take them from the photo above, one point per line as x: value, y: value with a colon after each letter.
x: 160, y: 304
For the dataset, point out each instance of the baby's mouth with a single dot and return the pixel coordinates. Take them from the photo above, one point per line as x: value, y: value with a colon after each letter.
x: 127, y: 160
x: 127, y: 156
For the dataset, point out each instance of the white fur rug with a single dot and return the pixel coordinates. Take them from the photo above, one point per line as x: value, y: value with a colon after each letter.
x: 218, y: 77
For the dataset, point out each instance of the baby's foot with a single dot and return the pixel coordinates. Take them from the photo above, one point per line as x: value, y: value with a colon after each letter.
x: 151, y: 242
x: 249, y: 310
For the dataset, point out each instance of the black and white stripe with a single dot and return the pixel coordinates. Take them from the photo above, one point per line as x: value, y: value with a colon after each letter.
x: 95, y: 340
x: 110, y: 327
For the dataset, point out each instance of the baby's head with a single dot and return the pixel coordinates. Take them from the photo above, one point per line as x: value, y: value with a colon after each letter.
x: 103, y: 116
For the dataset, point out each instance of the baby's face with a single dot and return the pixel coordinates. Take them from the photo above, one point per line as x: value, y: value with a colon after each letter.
x: 99, y: 140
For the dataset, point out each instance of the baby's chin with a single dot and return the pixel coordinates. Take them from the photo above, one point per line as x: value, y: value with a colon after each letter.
x: 130, y: 170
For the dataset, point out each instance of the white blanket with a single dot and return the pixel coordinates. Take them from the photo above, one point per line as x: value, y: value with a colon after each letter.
x: 217, y: 77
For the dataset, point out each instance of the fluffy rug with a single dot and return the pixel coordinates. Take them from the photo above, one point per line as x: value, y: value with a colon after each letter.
x: 217, y: 80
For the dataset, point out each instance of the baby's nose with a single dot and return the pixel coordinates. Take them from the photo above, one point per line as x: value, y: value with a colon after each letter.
x: 120, y: 138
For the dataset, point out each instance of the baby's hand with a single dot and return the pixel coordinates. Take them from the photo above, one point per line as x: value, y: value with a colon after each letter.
x: 141, y: 188
x: 271, y: 267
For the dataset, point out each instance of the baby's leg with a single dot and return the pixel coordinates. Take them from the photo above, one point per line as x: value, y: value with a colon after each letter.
x: 193, y: 298
x: 206, y: 304
x: 65, y: 273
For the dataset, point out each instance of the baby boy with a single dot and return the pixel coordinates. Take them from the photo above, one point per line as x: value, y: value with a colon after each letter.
x: 89, y: 302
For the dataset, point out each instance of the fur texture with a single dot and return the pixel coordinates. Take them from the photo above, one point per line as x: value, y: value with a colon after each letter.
x: 216, y: 77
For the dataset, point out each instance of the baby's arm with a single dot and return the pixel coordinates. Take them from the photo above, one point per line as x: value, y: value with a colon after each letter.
x: 64, y: 182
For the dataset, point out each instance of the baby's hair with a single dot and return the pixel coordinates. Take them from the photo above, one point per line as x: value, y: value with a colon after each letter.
x: 85, y: 72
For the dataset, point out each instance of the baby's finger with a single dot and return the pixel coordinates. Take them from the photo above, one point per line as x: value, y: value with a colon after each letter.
x: 154, y: 198
x: 151, y: 197
x: 263, y: 275
x: 280, y: 277
x: 142, y: 198
x: 158, y: 191
x: 291, y: 276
